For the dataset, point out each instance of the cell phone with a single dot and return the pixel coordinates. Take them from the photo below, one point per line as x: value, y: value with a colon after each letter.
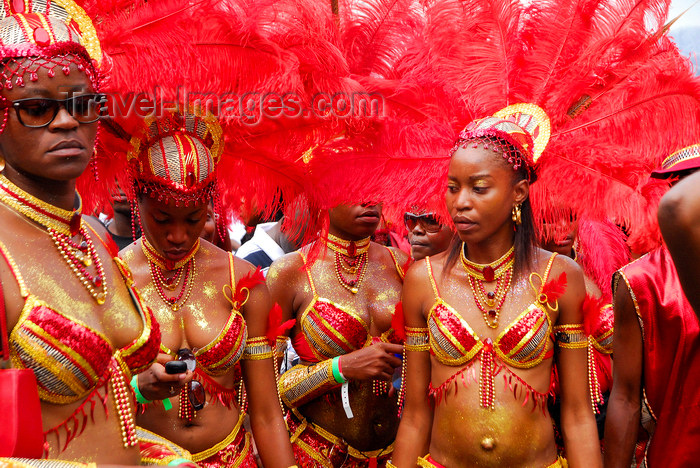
x: 175, y: 367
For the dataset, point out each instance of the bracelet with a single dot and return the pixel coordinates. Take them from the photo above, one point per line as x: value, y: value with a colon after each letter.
x: 180, y: 461
x: 337, y: 375
x: 139, y: 397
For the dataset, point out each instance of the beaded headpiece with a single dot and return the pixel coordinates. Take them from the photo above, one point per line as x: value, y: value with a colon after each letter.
x: 52, y: 34
x: 176, y: 155
x: 520, y: 132
x: 685, y: 159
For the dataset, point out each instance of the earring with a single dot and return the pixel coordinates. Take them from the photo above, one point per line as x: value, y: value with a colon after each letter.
x: 516, y: 215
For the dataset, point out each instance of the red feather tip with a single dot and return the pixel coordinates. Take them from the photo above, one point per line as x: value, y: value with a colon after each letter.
x: 408, y: 263
x: 555, y: 288
x: 111, y: 246
x: 247, y: 283
x: 398, y: 322
x: 595, y: 313
x: 275, y: 327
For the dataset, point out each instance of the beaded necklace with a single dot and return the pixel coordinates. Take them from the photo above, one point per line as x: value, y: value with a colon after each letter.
x: 501, y: 271
x: 62, y: 226
x: 185, y: 267
x: 350, y: 259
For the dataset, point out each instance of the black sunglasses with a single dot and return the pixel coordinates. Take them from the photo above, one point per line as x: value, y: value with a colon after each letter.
x: 195, y: 390
x: 40, y: 112
x: 428, y: 222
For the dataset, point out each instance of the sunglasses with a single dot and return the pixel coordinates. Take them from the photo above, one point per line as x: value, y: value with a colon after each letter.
x: 40, y: 112
x: 195, y: 390
x: 428, y: 222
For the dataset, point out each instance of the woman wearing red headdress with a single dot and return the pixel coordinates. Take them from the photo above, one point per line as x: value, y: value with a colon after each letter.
x: 72, y: 318
x: 342, y: 289
x: 490, y: 311
x: 212, y: 307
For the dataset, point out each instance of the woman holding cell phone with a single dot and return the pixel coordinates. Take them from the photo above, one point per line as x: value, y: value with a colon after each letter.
x: 212, y: 307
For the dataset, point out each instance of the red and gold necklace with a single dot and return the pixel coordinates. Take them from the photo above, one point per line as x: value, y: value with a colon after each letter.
x: 62, y: 226
x: 350, y: 259
x: 501, y: 271
x: 185, y: 267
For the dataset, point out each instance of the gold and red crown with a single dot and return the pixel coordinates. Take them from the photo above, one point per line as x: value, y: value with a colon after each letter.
x: 39, y: 28
x: 524, y: 126
x: 177, y: 153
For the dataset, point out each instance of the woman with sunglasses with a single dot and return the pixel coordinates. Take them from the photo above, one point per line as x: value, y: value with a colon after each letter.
x: 212, y: 308
x: 489, y: 311
x: 342, y: 289
x: 73, y: 319
x: 427, y: 236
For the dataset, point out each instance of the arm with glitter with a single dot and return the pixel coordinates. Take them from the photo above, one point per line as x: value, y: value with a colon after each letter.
x: 577, y: 421
x: 412, y: 440
x: 266, y: 420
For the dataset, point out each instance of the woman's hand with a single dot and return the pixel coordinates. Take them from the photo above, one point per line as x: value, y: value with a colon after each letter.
x: 156, y: 384
x: 373, y: 362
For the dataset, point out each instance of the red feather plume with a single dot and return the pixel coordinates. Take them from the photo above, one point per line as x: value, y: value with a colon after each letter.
x: 275, y: 327
x: 555, y: 287
x: 398, y: 322
x: 246, y: 284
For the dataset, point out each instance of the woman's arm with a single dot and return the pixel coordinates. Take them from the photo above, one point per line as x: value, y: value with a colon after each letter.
x: 622, y: 423
x: 679, y: 219
x: 577, y: 420
x: 413, y: 438
x: 266, y: 421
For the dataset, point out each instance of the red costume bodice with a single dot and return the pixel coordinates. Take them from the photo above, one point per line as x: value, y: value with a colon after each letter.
x: 671, y: 336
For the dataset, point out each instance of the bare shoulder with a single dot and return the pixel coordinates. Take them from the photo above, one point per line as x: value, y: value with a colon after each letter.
x: 96, y: 226
x: 417, y: 273
x: 400, y: 256
x: 128, y: 253
x: 560, y: 264
x: 285, y: 268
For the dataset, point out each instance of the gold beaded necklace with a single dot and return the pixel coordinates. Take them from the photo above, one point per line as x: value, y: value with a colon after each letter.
x: 62, y: 226
x: 185, y: 267
x: 351, y: 259
x: 501, y: 271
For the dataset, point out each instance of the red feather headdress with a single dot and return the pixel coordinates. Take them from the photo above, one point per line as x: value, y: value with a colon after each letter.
x: 605, y: 73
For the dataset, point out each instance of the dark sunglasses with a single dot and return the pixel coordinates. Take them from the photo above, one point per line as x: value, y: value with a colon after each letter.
x: 40, y: 112
x: 428, y: 222
x: 195, y: 390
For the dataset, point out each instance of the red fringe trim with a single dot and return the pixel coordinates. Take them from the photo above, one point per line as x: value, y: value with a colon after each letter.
x: 217, y: 392
x: 511, y: 383
x: 75, y: 424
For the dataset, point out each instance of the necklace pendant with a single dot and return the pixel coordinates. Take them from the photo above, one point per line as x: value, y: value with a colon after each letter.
x: 354, y: 290
x: 489, y: 274
x: 87, y: 261
x: 352, y: 249
x: 101, y: 298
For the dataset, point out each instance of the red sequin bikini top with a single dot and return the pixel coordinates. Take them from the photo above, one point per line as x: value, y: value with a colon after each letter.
x: 329, y: 330
x: 523, y: 344
x: 224, y: 351
x: 70, y: 359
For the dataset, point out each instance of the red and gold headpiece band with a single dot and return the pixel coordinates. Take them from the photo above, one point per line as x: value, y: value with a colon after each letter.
x: 51, y: 34
x: 685, y: 159
x: 176, y: 155
x: 525, y: 127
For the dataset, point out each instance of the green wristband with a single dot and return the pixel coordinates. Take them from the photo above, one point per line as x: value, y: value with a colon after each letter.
x: 135, y: 385
x: 180, y: 461
x: 335, y: 367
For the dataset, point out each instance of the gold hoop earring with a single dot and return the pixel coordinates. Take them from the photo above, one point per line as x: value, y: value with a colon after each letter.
x: 516, y: 215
